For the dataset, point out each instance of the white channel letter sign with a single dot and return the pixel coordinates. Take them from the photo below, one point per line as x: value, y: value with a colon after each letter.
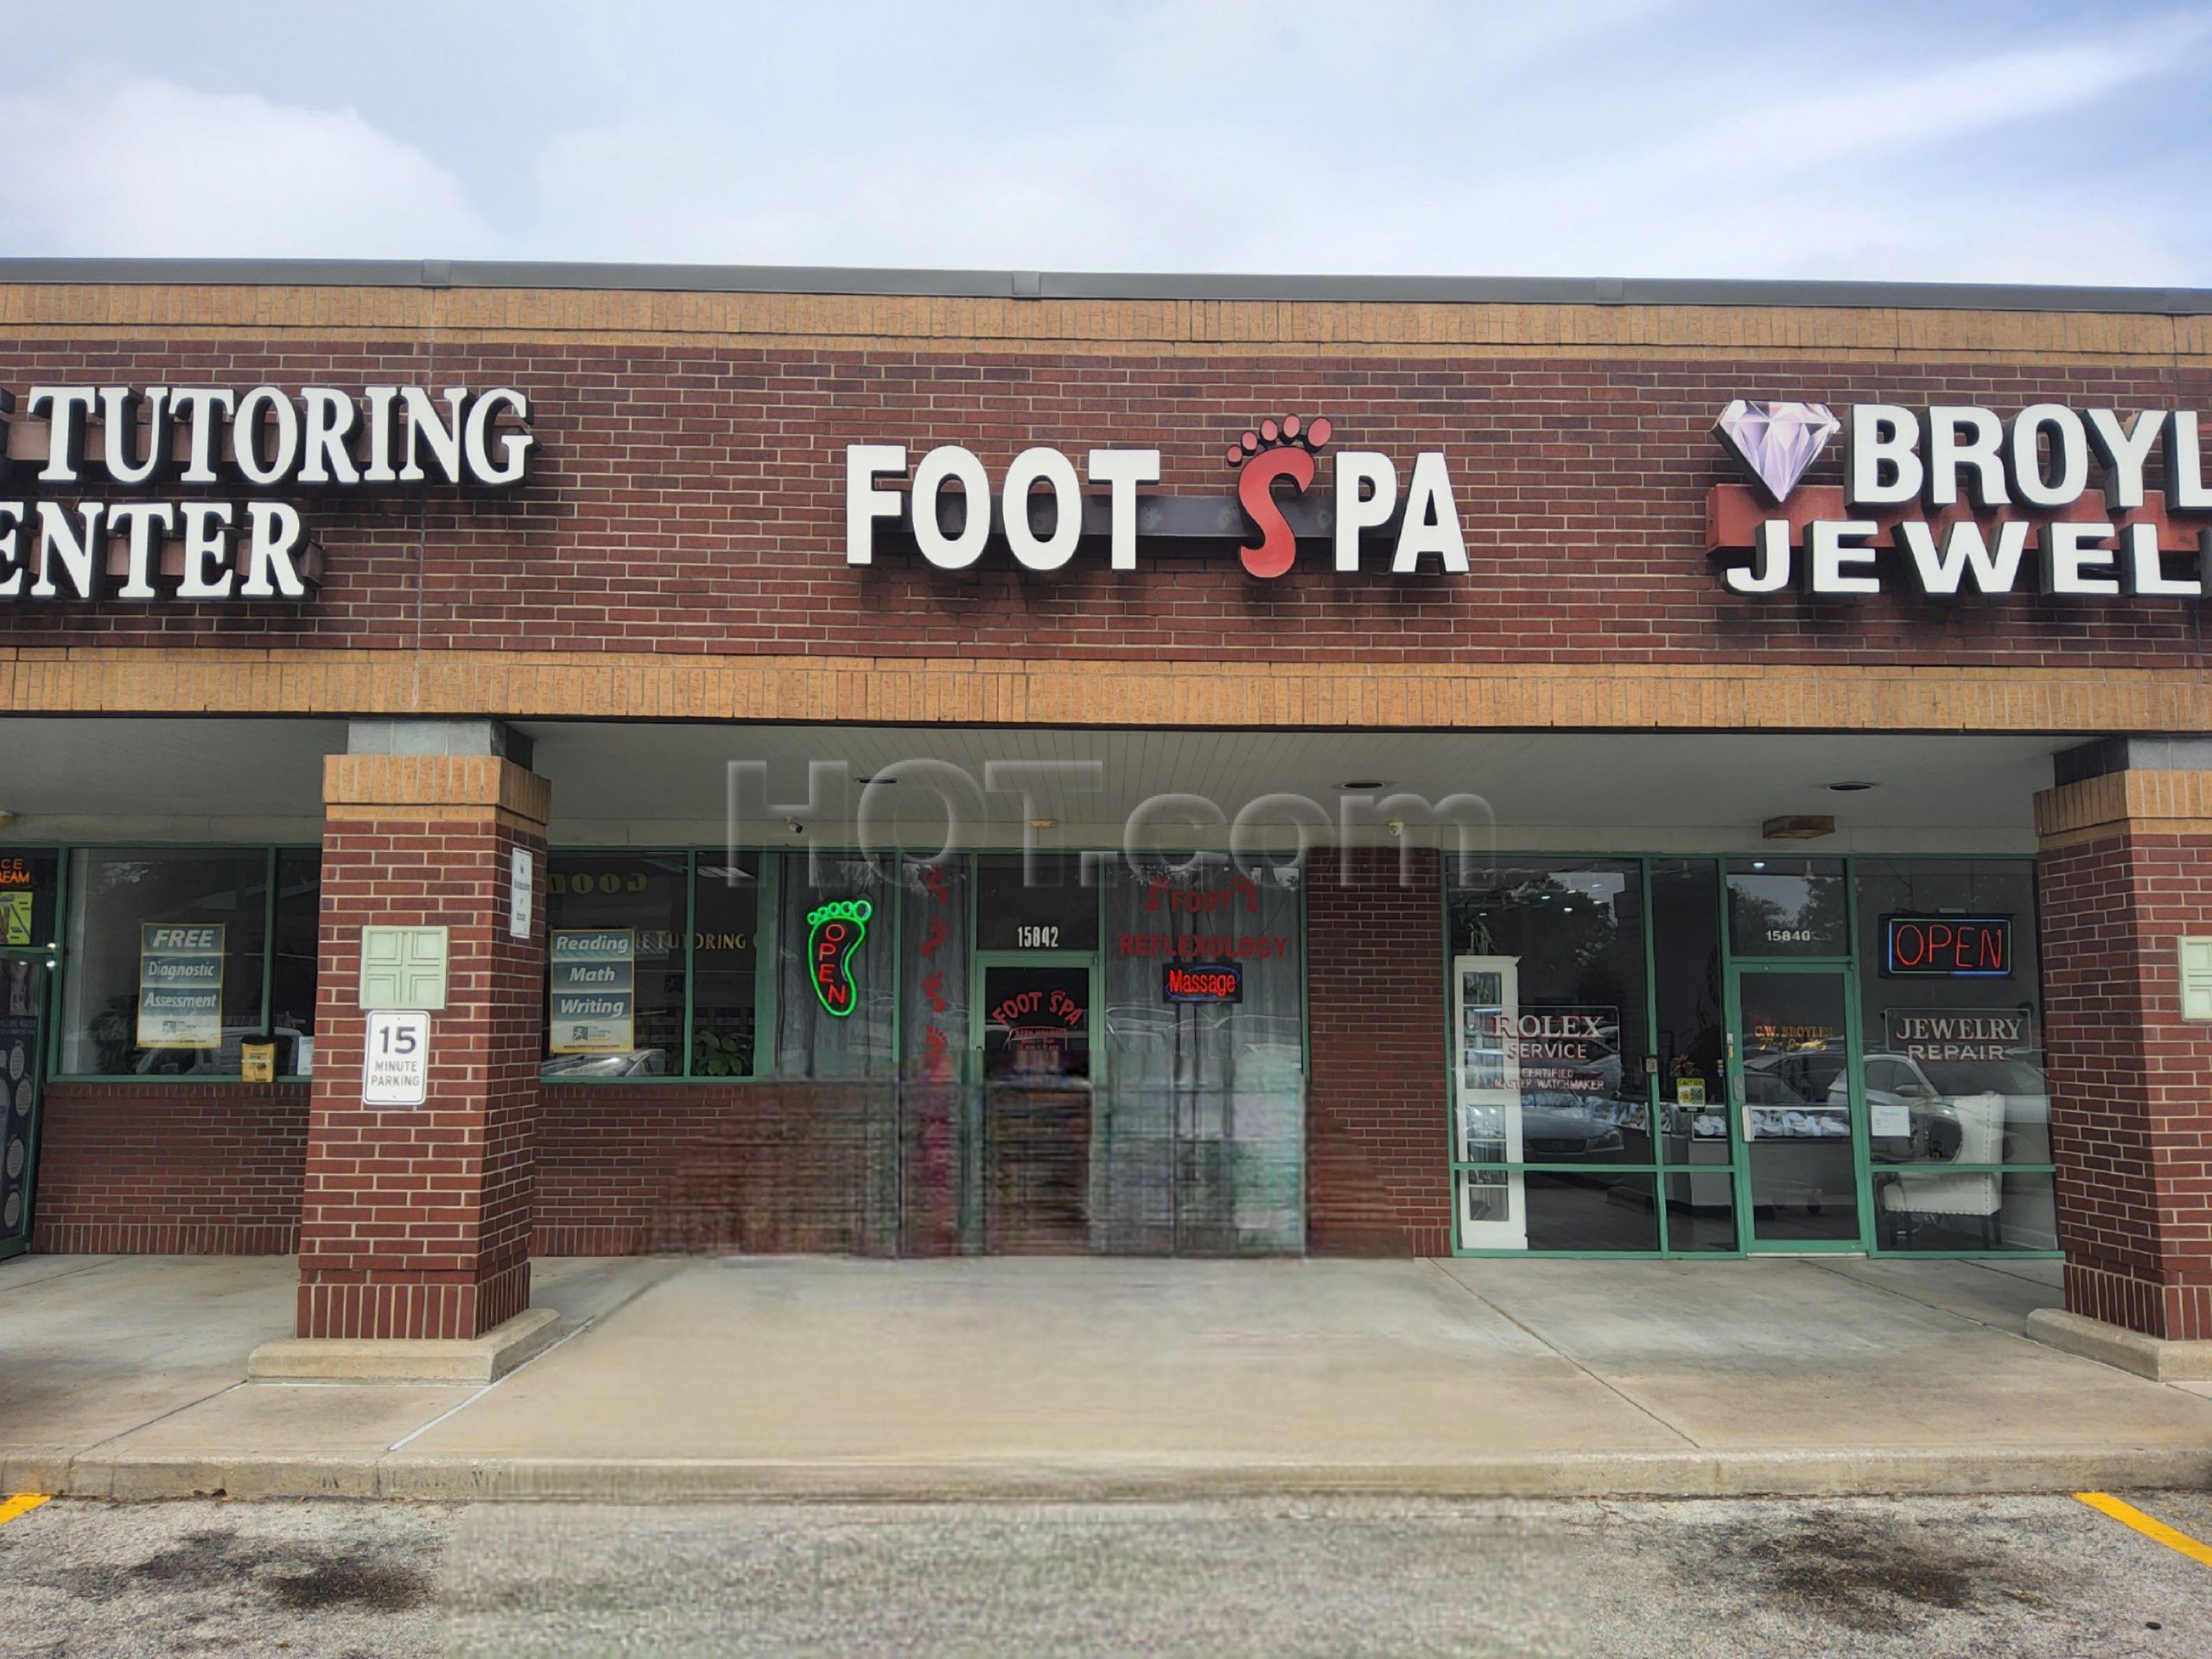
x: 132, y: 541
x: 1369, y: 504
x: 1954, y: 499
x: 396, y: 1057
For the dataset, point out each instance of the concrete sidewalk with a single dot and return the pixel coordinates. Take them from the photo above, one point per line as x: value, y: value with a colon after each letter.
x: 759, y: 1377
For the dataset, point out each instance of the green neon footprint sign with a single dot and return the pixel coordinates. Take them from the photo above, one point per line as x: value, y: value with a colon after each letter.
x: 834, y: 932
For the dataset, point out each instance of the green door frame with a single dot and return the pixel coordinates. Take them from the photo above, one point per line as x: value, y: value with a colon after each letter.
x: 1838, y: 969
x: 974, y: 1223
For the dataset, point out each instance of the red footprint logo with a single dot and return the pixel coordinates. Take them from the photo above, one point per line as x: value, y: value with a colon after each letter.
x: 1278, y: 449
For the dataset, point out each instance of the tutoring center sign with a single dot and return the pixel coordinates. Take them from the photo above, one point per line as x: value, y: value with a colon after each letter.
x: 188, y: 483
x: 1960, y: 500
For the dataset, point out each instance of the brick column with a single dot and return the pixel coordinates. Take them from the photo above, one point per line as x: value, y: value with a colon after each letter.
x: 1379, y: 1139
x: 2126, y: 869
x: 415, y: 1222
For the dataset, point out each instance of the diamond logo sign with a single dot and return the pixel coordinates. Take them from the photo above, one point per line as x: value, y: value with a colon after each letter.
x: 1777, y: 441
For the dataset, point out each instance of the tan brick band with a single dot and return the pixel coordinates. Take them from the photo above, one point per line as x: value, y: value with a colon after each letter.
x: 429, y: 787
x: 962, y: 691
x: 1259, y: 327
x: 2153, y: 802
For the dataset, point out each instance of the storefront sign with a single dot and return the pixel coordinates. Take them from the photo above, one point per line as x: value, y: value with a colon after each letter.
x: 1565, y: 1050
x: 180, y: 985
x: 593, y: 1005
x: 1418, y: 516
x: 18, y: 895
x: 258, y: 442
x: 1956, y: 1033
x: 833, y: 933
x: 1947, y: 947
x: 1202, y: 982
x: 396, y: 1057
x: 522, y: 878
x: 1242, y: 947
x: 1951, y: 501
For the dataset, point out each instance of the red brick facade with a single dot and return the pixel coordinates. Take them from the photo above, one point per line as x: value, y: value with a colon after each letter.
x: 691, y: 499
x: 170, y: 1168
x: 2129, y: 1107
x: 633, y: 1169
x: 1377, y: 1127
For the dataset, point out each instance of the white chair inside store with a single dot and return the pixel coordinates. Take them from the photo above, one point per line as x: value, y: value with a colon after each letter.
x: 1980, y: 1119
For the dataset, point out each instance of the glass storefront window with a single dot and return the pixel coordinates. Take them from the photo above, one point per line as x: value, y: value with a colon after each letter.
x: 1787, y: 907
x: 1566, y: 940
x: 26, y: 917
x: 614, y: 938
x: 1691, y: 997
x: 1954, y: 1063
x: 725, y: 966
x: 1954, y: 1049
x: 1034, y: 903
x: 165, y: 953
x: 835, y: 1007
x: 1200, y: 1139
x: 292, y: 968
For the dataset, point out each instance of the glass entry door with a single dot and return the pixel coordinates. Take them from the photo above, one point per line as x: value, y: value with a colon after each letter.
x: 1033, y: 1020
x: 22, y: 1043
x: 1795, y: 1091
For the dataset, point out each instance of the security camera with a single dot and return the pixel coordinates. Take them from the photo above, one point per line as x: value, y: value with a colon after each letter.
x: 794, y: 826
x: 1396, y: 827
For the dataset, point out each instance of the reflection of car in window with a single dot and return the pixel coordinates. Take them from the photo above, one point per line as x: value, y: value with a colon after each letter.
x: 1929, y: 1093
x: 631, y: 1063
x: 1549, y: 1136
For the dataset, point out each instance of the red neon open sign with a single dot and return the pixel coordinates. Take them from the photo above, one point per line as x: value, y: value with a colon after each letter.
x: 1947, y: 947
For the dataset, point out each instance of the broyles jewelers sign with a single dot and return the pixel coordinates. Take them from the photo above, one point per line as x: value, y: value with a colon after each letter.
x: 225, y: 539
x: 1953, y: 500
x: 1041, y: 512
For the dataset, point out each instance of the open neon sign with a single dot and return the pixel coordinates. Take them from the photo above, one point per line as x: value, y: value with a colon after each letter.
x: 834, y: 932
x: 1947, y: 947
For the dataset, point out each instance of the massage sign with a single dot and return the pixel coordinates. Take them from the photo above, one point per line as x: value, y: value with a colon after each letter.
x: 1957, y: 502
x: 191, y: 495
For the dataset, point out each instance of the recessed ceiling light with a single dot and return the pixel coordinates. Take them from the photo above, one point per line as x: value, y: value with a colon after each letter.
x: 1362, y: 783
x: 885, y: 782
x: 1850, y: 788
x: 1044, y: 823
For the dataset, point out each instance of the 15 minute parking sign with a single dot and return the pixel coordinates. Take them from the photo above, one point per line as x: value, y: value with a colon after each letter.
x: 396, y: 1058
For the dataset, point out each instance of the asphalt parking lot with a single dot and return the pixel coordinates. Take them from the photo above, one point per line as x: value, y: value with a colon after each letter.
x: 1926, y: 1577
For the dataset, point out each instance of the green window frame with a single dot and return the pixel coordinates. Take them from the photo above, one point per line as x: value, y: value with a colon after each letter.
x: 1660, y: 1171
x: 59, y: 948
x: 767, y: 891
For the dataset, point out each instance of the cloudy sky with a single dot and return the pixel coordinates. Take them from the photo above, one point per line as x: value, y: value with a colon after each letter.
x: 2021, y: 141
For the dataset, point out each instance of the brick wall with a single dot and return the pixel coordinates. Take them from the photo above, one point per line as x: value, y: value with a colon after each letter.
x: 2131, y: 1108
x: 704, y: 1168
x: 170, y: 1168
x: 689, y: 500
x: 1378, y: 1147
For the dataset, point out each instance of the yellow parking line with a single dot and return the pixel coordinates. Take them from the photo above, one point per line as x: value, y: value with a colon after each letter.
x: 2128, y: 1515
x: 21, y: 1503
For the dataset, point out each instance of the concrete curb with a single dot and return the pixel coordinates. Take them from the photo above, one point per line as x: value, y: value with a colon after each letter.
x: 2156, y: 1357
x: 1688, y: 1474
x: 479, y: 1360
